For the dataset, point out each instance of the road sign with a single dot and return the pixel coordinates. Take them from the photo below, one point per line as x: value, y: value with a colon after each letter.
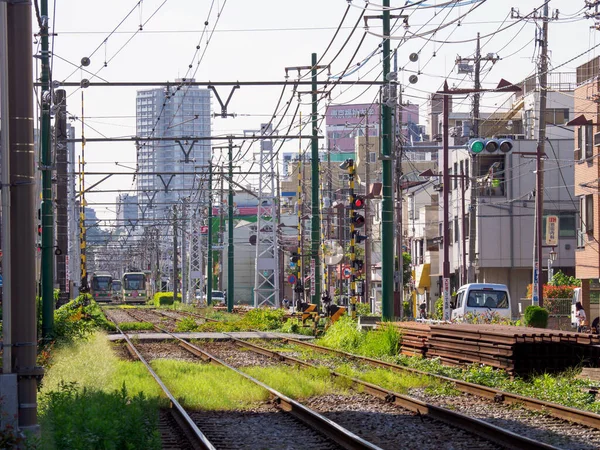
x: 292, y: 279
x: 347, y: 272
x: 446, y: 298
x: 552, y: 230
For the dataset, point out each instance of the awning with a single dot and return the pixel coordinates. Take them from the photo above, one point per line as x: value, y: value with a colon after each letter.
x: 422, y: 279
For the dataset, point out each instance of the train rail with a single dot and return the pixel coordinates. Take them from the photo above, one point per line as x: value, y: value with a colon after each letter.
x: 329, y: 434
x: 578, y: 416
x: 473, y: 426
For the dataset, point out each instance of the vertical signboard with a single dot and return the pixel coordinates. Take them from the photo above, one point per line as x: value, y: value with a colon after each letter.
x: 312, y: 277
x: 446, y: 296
x: 552, y: 230
x: 536, y: 285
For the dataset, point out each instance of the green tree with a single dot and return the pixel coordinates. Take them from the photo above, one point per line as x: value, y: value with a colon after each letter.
x: 560, y: 279
x: 406, y: 262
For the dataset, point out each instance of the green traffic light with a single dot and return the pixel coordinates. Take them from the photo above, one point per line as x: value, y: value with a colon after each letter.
x: 477, y: 147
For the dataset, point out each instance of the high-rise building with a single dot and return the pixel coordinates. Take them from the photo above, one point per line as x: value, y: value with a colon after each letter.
x: 127, y: 210
x: 183, y: 113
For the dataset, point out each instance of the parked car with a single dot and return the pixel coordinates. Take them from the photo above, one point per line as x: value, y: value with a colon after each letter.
x: 481, y: 299
x: 218, y: 297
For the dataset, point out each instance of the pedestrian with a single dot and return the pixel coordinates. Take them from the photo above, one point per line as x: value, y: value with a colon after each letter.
x: 580, y: 315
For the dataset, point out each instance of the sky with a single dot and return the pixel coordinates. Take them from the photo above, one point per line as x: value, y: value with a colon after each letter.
x: 239, y: 40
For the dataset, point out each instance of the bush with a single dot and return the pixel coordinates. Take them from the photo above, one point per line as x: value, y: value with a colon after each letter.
x: 79, y: 318
x: 186, y: 324
x: 552, y: 291
x: 438, y: 309
x: 165, y: 298
x: 363, y: 309
x: 536, y: 316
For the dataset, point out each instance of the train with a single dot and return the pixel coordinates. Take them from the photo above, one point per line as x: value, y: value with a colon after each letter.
x: 133, y: 287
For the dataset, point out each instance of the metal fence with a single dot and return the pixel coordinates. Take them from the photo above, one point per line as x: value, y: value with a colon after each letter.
x: 557, y: 307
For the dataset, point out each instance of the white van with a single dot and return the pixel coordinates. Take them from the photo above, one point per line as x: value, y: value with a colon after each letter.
x: 482, y: 299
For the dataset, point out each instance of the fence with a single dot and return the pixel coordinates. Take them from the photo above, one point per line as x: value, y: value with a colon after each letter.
x: 557, y: 307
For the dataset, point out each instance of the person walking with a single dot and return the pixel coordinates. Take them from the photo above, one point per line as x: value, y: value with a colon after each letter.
x: 580, y: 316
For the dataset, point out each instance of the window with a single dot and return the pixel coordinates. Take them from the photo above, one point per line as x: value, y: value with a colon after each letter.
x: 557, y: 116
x: 456, y: 229
x: 455, y: 172
x: 487, y: 299
x: 372, y: 157
x: 589, y: 214
x: 491, y: 175
x: 589, y: 142
x: 459, y: 299
x: 566, y: 223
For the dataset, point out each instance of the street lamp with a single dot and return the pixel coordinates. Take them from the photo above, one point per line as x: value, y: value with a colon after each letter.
x: 551, y: 260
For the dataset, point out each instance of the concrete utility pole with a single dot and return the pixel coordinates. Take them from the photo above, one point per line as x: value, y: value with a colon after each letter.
x: 446, y: 206
x: 315, y: 284
x: 47, y: 267
x: 474, y: 161
x: 539, y: 191
x: 387, y: 226
x: 62, y: 199
x: 22, y: 258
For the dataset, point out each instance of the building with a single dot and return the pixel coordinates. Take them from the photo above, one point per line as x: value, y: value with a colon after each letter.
x: 343, y: 123
x: 127, y: 210
x: 587, y: 176
x: 165, y: 113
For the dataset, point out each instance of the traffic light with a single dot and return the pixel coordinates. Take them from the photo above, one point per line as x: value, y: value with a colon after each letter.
x: 358, y: 220
x: 295, y: 257
x: 298, y: 288
x: 359, y: 238
x: 358, y: 264
x: 359, y: 202
x: 478, y: 145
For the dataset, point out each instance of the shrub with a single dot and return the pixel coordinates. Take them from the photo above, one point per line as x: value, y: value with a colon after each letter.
x: 438, y: 309
x: 536, y: 316
x: 363, y: 309
x: 560, y: 279
x: 186, y: 324
x: 165, y: 298
x: 552, y: 291
x: 79, y: 318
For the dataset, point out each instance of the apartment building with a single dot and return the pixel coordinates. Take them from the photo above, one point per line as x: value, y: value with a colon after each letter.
x: 587, y: 176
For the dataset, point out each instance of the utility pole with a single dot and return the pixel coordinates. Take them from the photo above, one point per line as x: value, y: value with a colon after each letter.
x: 474, y: 161
x: 367, y: 263
x: 230, y: 254
x: 399, y: 231
x: 315, y: 285
x: 184, y: 273
x: 47, y: 268
x: 22, y: 174
x: 446, y: 205
x: 387, y: 226
x: 221, y: 234
x: 175, y: 255
x: 539, y: 192
x: 62, y: 225
x: 209, y: 260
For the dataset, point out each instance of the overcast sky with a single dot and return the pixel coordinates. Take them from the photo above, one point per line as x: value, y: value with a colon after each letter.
x: 255, y: 40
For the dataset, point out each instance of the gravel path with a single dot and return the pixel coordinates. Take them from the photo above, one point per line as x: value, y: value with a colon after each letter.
x: 165, y: 350
x: 118, y: 315
x: 391, y: 427
x: 152, y: 317
x: 534, y: 425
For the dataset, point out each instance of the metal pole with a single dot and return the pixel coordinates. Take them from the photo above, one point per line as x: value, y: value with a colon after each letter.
x: 351, y: 212
x: 539, y: 194
x: 22, y: 258
x: 366, y: 293
x: 464, y: 228
x: 316, y: 218
x: 446, y: 207
x: 230, y: 254
x: 387, y: 226
x: 209, y: 261
x: 46, y: 169
x: 62, y: 220
x: 184, y: 273
x: 474, y: 172
x: 175, y: 255
x: 5, y: 178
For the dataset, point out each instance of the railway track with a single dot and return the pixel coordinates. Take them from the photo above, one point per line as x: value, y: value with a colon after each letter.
x: 390, y: 412
x: 291, y: 425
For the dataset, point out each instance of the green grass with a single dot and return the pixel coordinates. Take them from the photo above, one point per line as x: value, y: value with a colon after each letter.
x: 345, y: 335
x: 90, y: 399
x: 136, y: 326
x: 260, y: 319
x: 208, y: 387
x: 186, y: 324
x: 299, y: 383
